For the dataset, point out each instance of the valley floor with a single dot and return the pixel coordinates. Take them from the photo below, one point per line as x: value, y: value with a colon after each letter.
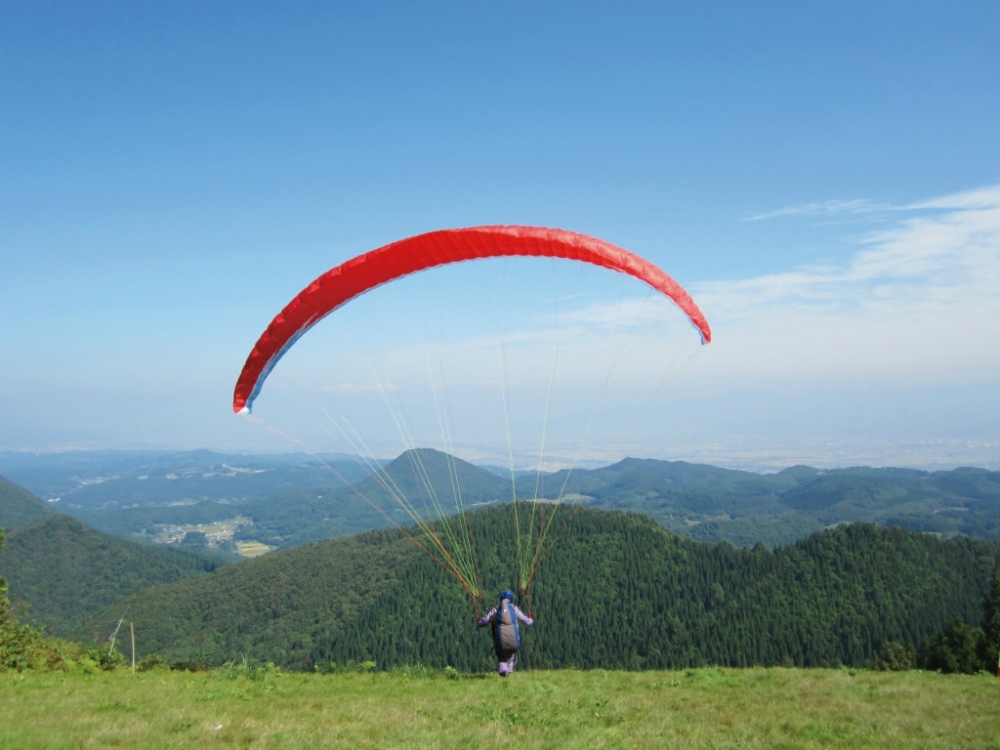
x: 703, y: 708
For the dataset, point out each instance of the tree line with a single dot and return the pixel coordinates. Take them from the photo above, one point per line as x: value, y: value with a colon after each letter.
x: 618, y: 591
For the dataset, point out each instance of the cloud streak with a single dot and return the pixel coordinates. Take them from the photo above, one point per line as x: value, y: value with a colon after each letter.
x: 823, y: 208
x: 981, y: 198
x: 918, y: 303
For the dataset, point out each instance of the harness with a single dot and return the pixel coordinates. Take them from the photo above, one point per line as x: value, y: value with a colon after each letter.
x: 506, y: 630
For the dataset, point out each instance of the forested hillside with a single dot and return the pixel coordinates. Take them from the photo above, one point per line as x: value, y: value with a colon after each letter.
x: 616, y: 591
x: 297, y: 518
x: 744, y: 508
x: 65, y: 571
x: 18, y: 507
x: 272, y: 608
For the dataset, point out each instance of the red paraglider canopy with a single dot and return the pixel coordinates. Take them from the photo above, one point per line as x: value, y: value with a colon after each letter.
x: 365, y: 272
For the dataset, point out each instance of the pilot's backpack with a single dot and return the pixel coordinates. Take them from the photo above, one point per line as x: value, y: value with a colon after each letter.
x: 506, y: 633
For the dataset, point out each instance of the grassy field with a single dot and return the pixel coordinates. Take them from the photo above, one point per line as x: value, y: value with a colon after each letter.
x: 705, y: 708
x: 253, y: 549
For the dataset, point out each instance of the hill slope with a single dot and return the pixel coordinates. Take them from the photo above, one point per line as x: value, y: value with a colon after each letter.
x: 295, y: 518
x: 616, y: 591
x: 65, y: 571
x: 18, y: 507
x: 743, y: 508
x: 273, y: 608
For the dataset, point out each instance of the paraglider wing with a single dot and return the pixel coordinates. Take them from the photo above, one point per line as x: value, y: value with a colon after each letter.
x: 365, y: 272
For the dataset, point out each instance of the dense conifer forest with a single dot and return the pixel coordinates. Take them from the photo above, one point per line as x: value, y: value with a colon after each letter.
x: 617, y: 591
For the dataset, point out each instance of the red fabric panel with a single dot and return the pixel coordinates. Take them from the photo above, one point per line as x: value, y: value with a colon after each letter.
x: 365, y: 272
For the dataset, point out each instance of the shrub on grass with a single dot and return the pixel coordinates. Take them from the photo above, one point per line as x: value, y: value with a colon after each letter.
x: 200, y: 663
x: 896, y: 657
x: 106, y: 659
x: 152, y: 662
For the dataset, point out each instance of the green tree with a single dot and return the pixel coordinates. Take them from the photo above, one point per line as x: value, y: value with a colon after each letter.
x: 956, y: 648
x: 195, y: 537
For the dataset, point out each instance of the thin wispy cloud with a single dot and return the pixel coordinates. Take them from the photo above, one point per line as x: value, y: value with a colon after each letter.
x: 824, y: 209
x: 982, y: 198
x: 918, y: 302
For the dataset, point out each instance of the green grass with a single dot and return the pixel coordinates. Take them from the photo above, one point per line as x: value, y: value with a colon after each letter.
x: 705, y: 708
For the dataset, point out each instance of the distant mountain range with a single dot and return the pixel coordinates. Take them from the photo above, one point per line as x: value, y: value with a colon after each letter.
x: 112, y: 480
x: 294, y: 499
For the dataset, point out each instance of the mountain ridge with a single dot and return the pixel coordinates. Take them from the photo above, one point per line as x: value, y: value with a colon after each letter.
x: 617, y: 591
x: 698, y: 500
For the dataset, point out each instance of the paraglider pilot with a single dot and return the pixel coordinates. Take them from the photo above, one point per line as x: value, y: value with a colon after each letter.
x: 506, y: 632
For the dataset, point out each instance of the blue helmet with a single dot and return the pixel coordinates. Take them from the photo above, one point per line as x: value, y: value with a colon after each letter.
x: 505, y: 594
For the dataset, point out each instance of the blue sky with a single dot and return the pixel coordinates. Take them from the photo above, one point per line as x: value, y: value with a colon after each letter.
x: 822, y: 177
